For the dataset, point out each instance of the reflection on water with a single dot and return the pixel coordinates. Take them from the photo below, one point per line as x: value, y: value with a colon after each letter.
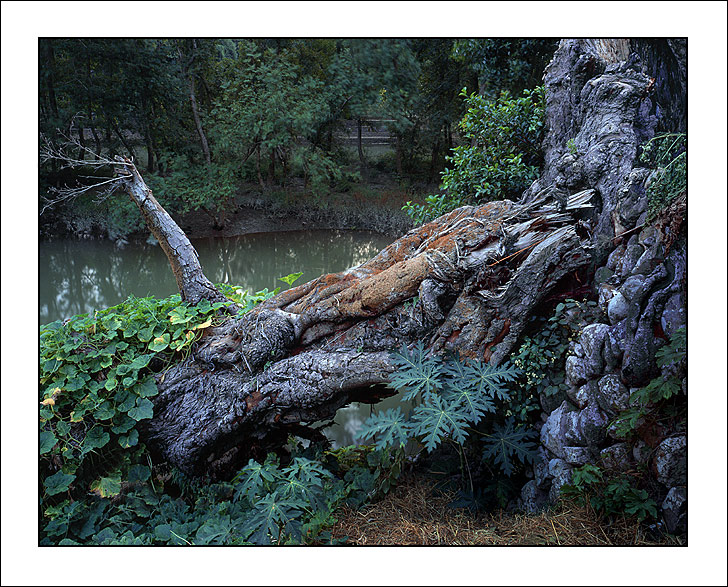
x: 78, y: 277
x: 350, y: 419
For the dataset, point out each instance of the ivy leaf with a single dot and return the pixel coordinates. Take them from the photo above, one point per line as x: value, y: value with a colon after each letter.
x: 138, y: 473
x: 147, y: 388
x: 129, y: 440
x: 107, y: 486
x: 144, y: 409
x: 145, y: 334
x: 141, y: 361
x: 437, y: 418
x: 390, y: 426
x: 95, y: 438
x: 289, y: 279
x: 47, y: 441
x: 124, y: 424
x: 179, y: 316
x: 58, y: 482
x: 507, y: 442
x: 159, y: 343
x: 125, y: 400
x: 105, y: 411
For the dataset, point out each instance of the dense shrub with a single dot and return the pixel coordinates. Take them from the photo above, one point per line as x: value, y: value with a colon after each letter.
x: 500, y: 156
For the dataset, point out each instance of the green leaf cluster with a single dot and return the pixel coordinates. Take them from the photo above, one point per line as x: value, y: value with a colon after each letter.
x: 97, y: 382
x: 541, y: 357
x: 667, y: 154
x: 499, y: 157
x: 662, y: 397
x: 609, y: 495
x: 452, y: 398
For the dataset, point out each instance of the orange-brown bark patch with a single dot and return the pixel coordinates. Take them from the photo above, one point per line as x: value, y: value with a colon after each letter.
x: 487, y: 353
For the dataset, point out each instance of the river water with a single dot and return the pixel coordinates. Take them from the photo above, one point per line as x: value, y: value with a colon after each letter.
x: 77, y: 277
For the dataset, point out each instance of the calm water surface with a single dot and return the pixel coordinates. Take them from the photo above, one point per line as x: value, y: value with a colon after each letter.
x: 78, y: 277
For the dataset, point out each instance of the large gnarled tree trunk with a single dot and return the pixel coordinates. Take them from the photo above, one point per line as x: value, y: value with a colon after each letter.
x: 466, y: 282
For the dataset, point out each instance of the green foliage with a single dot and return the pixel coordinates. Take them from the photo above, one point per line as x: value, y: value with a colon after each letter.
x: 452, y: 397
x: 499, y: 158
x: 390, y: 429
x: 503, y: 153
x: 609, y: 495
x: 509, y: 441
x: 291, y: 278
x: 185, y: 186
x: 668, y: 155
x: 96, y: 380
x: 649, y: 402
x: 505, y: 63
x: 571, y: 146
x: 541, y: 358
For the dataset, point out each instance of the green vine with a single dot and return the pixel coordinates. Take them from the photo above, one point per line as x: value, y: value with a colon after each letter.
x: 667, y: 154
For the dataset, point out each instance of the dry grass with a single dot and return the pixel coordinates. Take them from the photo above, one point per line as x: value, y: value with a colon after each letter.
x: 416, y: 513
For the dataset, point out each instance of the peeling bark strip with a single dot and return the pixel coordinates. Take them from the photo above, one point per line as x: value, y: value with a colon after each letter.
x: 191, y: 281
x: 465, y: 282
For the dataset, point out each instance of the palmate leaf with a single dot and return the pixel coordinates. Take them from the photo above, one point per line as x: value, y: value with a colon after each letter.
x: 273, y: 516
x: 416, y: 372
x: 390, y: 426
x: 437, y: 418
x: 307, y: 471
x: 507, y: 442
x: 474, y: 403
x: 254, y: 477
x: 489, y: 379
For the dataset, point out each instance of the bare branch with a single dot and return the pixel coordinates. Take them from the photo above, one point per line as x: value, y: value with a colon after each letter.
x: 61, y: 152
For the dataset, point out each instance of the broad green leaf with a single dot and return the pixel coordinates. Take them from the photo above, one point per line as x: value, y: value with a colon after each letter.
x: 139, y: 474
x: 437, y: 418
x: 124, y: 424
x: 290, y: 278
x: 144, y: 409
x: 389, y: 427
x: 507, y: 442
x: 179, y: 316
x: 416, y: 372
x: 147, y: 388
x: 47, y: 441
x: 97, y: 437
x: 129, y: 440
x: 105, y: 411
x: 160, y: 343
x: 107, y: 486
x: 58, y: 482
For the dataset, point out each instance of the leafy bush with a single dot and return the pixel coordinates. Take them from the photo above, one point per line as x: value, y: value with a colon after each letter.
x: 453, y: 398
x: 96, y: 381
x: 609, y: 496
x: 541, y: 358
x: 667, y: 154
x: 500, y: 156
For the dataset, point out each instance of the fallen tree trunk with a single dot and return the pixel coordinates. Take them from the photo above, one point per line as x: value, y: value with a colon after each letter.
x: 466, y: 282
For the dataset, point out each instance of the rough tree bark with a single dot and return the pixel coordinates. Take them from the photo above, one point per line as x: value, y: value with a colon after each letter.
x: 191, y: 281
x: 474, y: 276
x: 466, y: 282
